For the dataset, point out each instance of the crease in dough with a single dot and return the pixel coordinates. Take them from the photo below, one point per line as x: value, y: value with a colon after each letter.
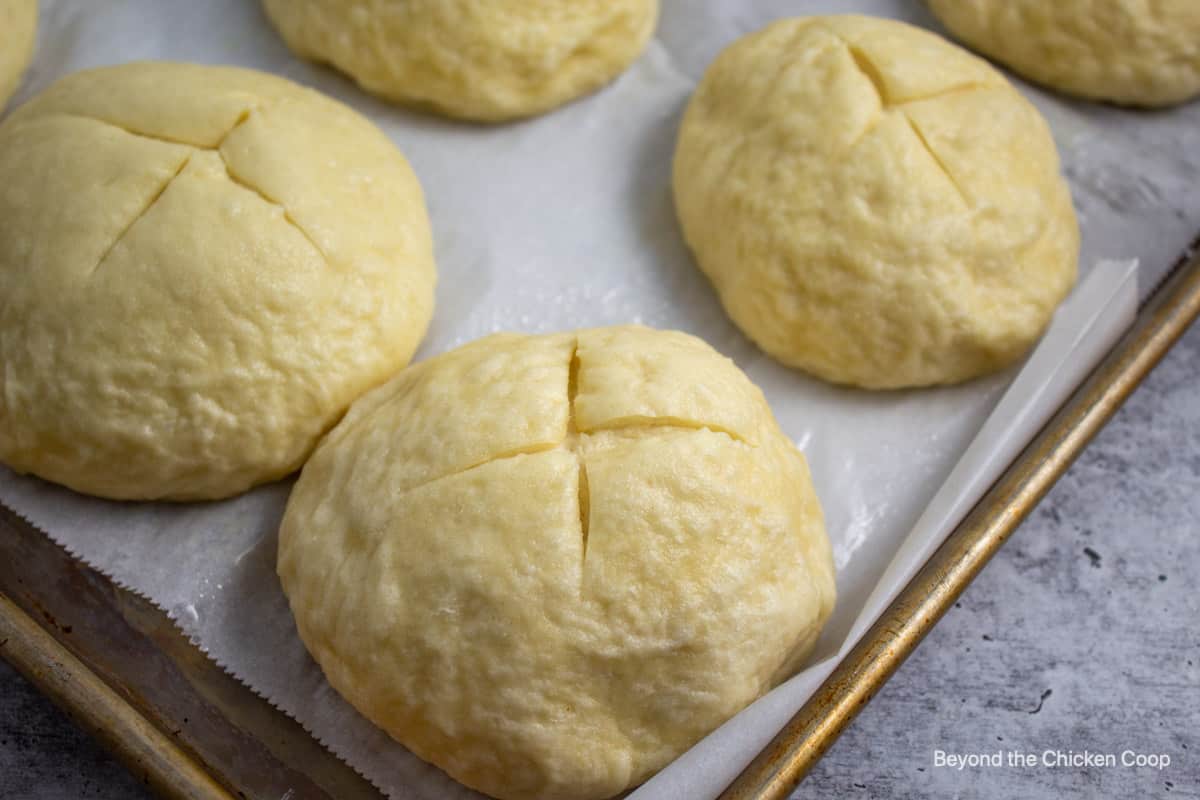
x: 885, y: 212
x: 619, y: 574
x: 198, y: 282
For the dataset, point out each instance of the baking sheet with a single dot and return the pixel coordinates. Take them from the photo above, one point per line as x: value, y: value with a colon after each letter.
x: 566, y: 221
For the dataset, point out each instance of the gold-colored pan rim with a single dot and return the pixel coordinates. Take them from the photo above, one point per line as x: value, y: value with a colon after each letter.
x: 146, y: 751
x: 161, y: 758
x: 780, y: 767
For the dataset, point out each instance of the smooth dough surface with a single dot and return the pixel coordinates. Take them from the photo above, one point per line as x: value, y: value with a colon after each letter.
x: 874, y: 205
x: 1133, y: 52
x: 550, y: 564
x: 200, y: 268
x: 18, y: 32
x: 486, y: 60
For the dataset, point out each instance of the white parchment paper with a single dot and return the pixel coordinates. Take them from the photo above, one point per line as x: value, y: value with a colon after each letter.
x: 566, y: 221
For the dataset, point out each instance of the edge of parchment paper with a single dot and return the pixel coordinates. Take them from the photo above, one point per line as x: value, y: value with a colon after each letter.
x: 192, y: 641
x: 1166, y: 315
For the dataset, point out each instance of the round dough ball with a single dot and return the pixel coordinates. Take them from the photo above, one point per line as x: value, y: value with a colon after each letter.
x: 550, y: 564
x: 18, y: 31
x: 873, y: 204
x: 200, y: 268
x: 1126, y: 51
x: 485, y: 60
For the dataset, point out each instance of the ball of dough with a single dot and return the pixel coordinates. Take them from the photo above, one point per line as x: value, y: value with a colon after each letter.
x: 486, y: 60
x: 873, y: 204
x: 18, y: 31
x: 550, y: 564
x: 200, y: 268
x: 1126, y: 51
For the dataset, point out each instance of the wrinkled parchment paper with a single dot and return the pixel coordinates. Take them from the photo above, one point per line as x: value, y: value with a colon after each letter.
x: 566, y: 221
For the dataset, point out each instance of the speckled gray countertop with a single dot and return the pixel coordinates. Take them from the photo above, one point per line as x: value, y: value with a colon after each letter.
x: 1081, y: 638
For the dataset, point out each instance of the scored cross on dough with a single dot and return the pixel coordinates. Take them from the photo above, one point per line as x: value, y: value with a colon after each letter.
x: 874, y: 205
x: 185, y: 165
x: 258, y: 134
x: 203, y: 266
x: 550, y: 564
x: 891, y: 104
x: 560, y: 404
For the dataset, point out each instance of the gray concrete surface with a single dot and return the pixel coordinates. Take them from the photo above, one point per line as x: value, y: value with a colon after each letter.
x: 43, y: 756
x: 1082, y: 636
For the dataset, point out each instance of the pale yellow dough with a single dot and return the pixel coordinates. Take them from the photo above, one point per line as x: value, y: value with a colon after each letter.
x: 873, y: 204
x: 1133, y: 52
x: 200, y: 268
x: 549, y: 564
x: 486, y: 60
x: 18, y: 32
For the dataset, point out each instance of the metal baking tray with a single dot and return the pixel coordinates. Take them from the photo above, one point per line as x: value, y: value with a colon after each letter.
x: 121, y: 669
